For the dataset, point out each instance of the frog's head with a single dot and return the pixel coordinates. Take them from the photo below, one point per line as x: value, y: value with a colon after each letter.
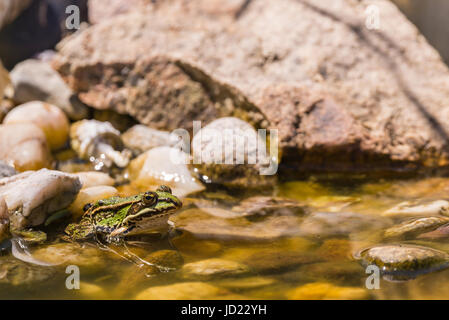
x: 162, y: 200
x: 153, y: 210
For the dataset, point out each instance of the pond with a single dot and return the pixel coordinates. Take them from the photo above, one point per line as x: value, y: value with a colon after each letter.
x: 303, y: 245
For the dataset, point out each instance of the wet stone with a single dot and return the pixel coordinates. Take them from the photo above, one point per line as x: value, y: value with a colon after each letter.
x: 440, y: 233
x: 403, y: 262
x: 164, y: 165
x: 265, y: 206
x: 419, y: 208
x: 208, y: 145
x: 411, y: 229
x: 213, y: 268
x: 100, y: 143
x: 32, y: 196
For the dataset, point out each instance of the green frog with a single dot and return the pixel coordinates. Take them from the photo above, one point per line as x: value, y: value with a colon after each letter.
x: 117, y: 217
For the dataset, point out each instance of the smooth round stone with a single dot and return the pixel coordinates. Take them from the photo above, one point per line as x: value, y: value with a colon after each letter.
x: 164, y: 165
x: 89, y: 195
x: 402, y: 262
x: 94, y: 179
x: 219, y: 160
x: 327, y: 291
x: 213, y: 268
x: 24, y: 146
x: 410, y: 229
x: 49, y: 118
x: 183, y: 291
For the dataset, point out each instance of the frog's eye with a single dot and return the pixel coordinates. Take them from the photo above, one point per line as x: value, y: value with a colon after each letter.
x: 150, y: 198
x: 164, y: 189
x: 87, y: 206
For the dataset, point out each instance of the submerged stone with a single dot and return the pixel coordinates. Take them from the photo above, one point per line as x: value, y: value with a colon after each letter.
x: 213, y: 268
x: 272, y: 261
x: 404, y: 262
x: 334, y: 224
x: 260, y: 206
x: 87, y: 258
x: 183, y: 291
x: 417, y: 208
x: 203, y: 225
x: 410, y: 229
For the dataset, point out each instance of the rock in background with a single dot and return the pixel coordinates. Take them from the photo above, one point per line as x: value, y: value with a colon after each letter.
x: 342, y: 96
x: 36, y: 80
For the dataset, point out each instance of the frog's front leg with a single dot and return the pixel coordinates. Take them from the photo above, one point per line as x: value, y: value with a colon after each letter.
x: 79, y: 232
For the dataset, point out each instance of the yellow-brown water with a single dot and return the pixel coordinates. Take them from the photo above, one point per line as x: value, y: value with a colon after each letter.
x: 313, y: 260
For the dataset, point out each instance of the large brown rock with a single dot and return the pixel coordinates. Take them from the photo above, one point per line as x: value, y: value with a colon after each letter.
x: 342, y: 96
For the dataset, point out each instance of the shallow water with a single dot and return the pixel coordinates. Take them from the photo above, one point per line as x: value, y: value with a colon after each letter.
x: 278, y: 264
